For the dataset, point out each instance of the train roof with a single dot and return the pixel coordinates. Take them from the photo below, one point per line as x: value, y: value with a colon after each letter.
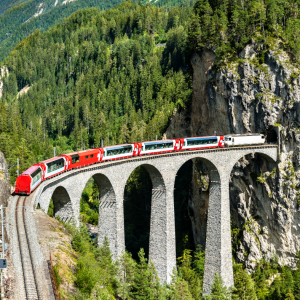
x: 244, y: 134
x: 83, y: 152
x: 202, y: 137
x: 30, y: 170
x: 50, y: 159
x: 158, y: 142
x: 116, y: 146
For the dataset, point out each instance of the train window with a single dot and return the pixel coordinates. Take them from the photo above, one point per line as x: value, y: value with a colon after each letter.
x: 199, y: 142
x: 118, y: 151
x: 36, y: 176
x: 75, y: 158
x: 55, y: 165
x: 91, y: 156
x: 86, y: 157
x: 159, y: 146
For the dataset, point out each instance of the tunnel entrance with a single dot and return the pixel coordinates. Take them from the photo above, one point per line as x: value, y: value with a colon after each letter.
x: 271, y: 135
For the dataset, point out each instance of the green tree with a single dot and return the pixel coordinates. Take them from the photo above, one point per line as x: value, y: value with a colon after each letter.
x: 145, y: 282
x: 126, y: 272
x: 219, y: 291
x: 244, y: 287
x: 289, y: 296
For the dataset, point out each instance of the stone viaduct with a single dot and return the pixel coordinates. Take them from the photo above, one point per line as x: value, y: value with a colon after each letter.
x: 66, y: 190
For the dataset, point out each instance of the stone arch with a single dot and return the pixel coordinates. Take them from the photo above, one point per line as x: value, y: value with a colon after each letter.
x: 158, y: 248
x: 199, y: 212
x: 209, y: 163
x: 251, y: 197
x: 62, y: 204
x: 218, y: 256
x: 271, y: 157
x: 107, y: 209
x: 158, y: 188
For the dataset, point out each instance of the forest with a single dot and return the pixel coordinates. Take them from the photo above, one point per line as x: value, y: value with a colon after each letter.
x: 99, y: 75
x: 119, y: 75
x: 97, y: 276
x: 22, y: 19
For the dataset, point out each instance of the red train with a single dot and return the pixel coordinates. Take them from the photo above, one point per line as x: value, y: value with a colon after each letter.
x: 32, y: 177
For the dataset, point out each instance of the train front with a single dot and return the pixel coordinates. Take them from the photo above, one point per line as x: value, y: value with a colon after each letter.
x: 22, y: 186
x: 28, y: 180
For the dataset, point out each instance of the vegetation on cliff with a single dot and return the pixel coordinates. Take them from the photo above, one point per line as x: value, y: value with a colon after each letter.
x: 228, y: 26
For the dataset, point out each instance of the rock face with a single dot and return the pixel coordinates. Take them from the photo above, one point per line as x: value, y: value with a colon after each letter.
x: 3, y: 72
x: 4, y: 181
x: 5, y: 191
x: 243, y: 97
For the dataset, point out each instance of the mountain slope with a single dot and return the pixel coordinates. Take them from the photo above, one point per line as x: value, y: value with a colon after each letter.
x: 20, y: 21
x: 7, y: 4
x: 100, y: 75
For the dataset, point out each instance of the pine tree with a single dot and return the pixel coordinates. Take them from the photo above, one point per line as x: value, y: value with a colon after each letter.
x: 145, y: 284
x: 180, y: 290
x: 262, y: 290
x: 219, y: 291
x: 126, y: 272
x: 296, y: 280
x: 289, y: 296
x: 276, y: 292
x: 288, y: 282
x: 244, y: 287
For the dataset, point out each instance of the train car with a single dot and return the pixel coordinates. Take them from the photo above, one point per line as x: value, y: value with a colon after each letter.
x: 201, y: 142
x: 29, y: 180
x: 54, y: 166
x: 118, y: 152
x: 156, y: 147
x: 244, y: 139
x: 82, y: 158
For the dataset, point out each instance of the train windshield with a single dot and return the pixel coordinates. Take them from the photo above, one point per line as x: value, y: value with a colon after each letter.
x: 227, y: 138
x: 55, y: 165
x: 75, y: 158
x: 157, y: 146
x: 36, y: 176
x: 119, y: 150
x: 202, y: 141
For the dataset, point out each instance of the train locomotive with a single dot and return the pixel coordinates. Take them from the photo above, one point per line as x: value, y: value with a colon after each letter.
x: 30, y: 179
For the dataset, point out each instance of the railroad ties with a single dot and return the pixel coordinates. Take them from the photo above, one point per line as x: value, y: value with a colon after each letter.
x: 29, y: 276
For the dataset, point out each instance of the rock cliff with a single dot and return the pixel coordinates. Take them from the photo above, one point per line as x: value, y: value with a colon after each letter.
x: 245, y: 96
x: 4, y: 181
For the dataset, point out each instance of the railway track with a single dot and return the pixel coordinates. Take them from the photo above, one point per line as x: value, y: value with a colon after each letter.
x: 29, y: 275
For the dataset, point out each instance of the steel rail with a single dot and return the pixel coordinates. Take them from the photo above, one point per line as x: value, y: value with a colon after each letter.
x: 29, y: 250
x: 20, y: 247
x: 33, y: 270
